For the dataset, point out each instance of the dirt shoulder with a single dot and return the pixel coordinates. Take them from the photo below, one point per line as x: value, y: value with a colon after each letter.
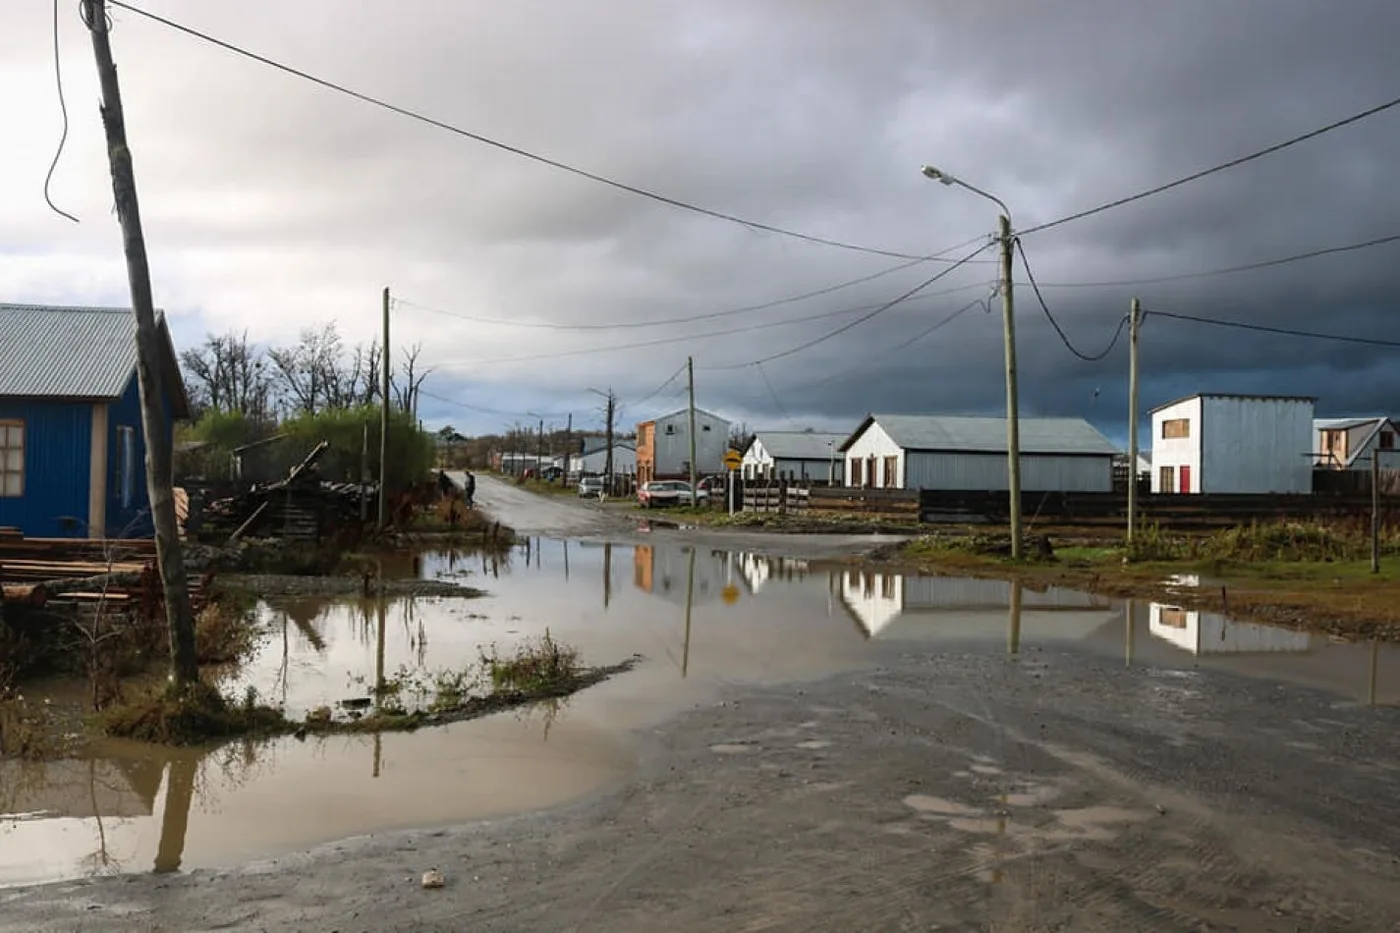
x: 1072, y: 796
x: 1337, y: 597
x: 270, y: 584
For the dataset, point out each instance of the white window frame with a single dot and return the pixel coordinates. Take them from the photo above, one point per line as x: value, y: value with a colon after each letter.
x: 13, y: 438
x: 126, y: 464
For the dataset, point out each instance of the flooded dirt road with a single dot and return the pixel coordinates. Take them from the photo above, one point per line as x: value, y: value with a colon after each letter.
x: 805, y: 747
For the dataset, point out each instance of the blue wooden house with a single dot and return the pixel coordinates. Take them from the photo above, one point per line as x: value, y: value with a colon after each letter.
x: 72, y: 445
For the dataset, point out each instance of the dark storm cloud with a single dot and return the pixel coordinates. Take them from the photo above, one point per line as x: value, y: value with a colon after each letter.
x: 272, y: 204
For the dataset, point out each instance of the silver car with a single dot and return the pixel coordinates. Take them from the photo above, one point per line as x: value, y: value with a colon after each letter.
x: 590, y: 487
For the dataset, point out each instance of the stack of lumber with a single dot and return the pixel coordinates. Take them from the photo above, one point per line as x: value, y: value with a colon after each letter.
x: 300, y: 507
x: 118, y: 574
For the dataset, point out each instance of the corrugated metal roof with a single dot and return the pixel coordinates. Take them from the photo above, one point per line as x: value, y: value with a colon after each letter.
x: 800, y: 445
x: 988, y: 435
x: 50, y: 352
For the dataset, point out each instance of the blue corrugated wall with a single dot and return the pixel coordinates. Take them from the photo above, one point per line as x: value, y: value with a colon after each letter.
x: 58, y: 452
x: 135, y: 521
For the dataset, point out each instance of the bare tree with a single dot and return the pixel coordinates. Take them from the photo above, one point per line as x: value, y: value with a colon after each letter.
x: 229, y: 374
x: 407, y: 390
x: 309, y: 374
x: 740, y: 436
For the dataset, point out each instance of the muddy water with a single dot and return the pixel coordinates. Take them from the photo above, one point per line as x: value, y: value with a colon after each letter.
x: 702, y: 619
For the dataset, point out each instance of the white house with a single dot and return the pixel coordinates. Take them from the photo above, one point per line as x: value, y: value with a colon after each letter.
x: 809, y: 455
x: 1233, y: 444
x: 963, y: 453
x: 1348, y: 443
x: 663, y: 446
x: 595, y: 461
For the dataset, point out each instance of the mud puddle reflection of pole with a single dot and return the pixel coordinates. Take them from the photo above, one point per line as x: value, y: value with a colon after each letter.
x: 689, y: 601
x: 175, y: 815
x: 1013, y: 620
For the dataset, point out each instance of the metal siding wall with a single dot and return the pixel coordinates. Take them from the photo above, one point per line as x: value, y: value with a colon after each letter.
x: 974, y: 593
x: 57, y: 442
x: 1256, y: 446
x: 987, y: 472
x: 672, y: 450
x: 133, y: 522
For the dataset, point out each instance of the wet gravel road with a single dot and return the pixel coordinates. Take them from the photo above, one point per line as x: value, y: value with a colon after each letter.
x: 935, y: 789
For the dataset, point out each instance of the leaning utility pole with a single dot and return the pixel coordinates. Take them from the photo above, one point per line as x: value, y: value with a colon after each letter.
x: 1013, y: 408
x: 1134, y: 321
x: 384, y: 422
x: 690, y: 376
x: 184, y: 666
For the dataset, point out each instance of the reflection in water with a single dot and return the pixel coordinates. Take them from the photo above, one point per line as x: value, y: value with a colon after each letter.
x: 132, y: 808
x: 1209, y: 633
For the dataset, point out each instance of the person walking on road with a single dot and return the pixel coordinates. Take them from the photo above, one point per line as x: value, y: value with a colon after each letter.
x: 469, y: 488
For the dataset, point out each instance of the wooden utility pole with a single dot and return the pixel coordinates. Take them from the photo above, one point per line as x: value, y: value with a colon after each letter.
x: 384, y: 422
x: 184, y: 667
x: 608, y: 456
x: 364, y: 474
x: 1376, y: 509
x: 690, y: 378
x: 568, y: 449
x: 539, y: 451
x: 1013, y: 408
x: 1134, y: 320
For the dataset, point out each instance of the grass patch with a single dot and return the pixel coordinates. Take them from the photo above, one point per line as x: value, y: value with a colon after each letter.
x: 224, y: 630
x: 539, y: 665
x: 195, y: 716
x: 27, y: 730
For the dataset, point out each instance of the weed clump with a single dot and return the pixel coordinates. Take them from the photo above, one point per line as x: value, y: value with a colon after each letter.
x: 539, y: 666
x: 197, y: 715
x: 26, y: 730
x: 223, y: 632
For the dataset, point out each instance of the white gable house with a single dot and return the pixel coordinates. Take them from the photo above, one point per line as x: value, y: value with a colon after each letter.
x: 1349, y: 443
x: 964, y: 453
x: 1242, y: 444
x: 795, y: 455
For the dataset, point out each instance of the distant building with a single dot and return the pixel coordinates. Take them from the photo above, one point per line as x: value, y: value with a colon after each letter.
x: 663, y: 446
x: 594, y: 461
x: 963, y: 453
x: 795, y: 455
x: 1233, y: 444
x: 72, y: 443
x: 1210, y: 633
x: 1349, y: 443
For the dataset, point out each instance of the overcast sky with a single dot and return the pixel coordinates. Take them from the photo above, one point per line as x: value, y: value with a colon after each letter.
x: 272, y: 204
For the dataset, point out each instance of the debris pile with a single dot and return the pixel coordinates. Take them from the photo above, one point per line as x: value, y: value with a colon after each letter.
x: 301, y: 507
x: 118, y: 575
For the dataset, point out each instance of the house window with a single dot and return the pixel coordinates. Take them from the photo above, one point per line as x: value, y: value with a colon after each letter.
x: 1175, y: 428
x: 1172, y: 617
x: 1387, y: 440
x: 855, y: 474
x: 1167, y: 479
x: 670, y: 429
x: 126, y: 465
x: 891, y: 472
x: 11, y: 459
x: 705, y: 428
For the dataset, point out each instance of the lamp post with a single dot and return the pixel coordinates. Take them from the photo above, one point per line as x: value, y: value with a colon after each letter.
x: 1008, y: 308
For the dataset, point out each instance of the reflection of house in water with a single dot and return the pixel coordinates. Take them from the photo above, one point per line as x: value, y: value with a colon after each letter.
x: 893, y: 605
x: 1209, y: 633
x: 758, y: 569
x: 664, y: 571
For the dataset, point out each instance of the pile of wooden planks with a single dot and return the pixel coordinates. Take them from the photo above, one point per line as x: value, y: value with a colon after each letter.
x: 119, y: 574
x: 301, y: 507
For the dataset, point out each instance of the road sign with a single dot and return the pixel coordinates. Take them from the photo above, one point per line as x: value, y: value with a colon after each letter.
x: 732, y: 459
x: 730, y: 594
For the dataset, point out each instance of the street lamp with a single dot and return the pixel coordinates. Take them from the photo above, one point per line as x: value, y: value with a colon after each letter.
x: 1013, y: 428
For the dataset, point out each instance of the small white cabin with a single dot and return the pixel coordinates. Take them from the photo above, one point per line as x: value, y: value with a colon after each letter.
x: 1243, y: 444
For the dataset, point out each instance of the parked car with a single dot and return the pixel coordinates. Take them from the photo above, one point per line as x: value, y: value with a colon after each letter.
x: 662, y: 493
x: 590, y: 487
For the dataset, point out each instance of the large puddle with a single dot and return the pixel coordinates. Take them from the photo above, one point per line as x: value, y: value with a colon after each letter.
x: 702, y: 619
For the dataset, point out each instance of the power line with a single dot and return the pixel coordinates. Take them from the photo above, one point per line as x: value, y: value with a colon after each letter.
x: 1064, y: 338
x: 858, y: 321
x: 782, y: 409
x: 507, y: 147
x: 63, y: 112
x: 683, y: 338
x: 1195, y: 176
x: 1248, y: 267
x: 1284, y: 331
x: 489, y: 411
x: 659, y: 389
x: 885, y: 354
x: 623, y: 325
